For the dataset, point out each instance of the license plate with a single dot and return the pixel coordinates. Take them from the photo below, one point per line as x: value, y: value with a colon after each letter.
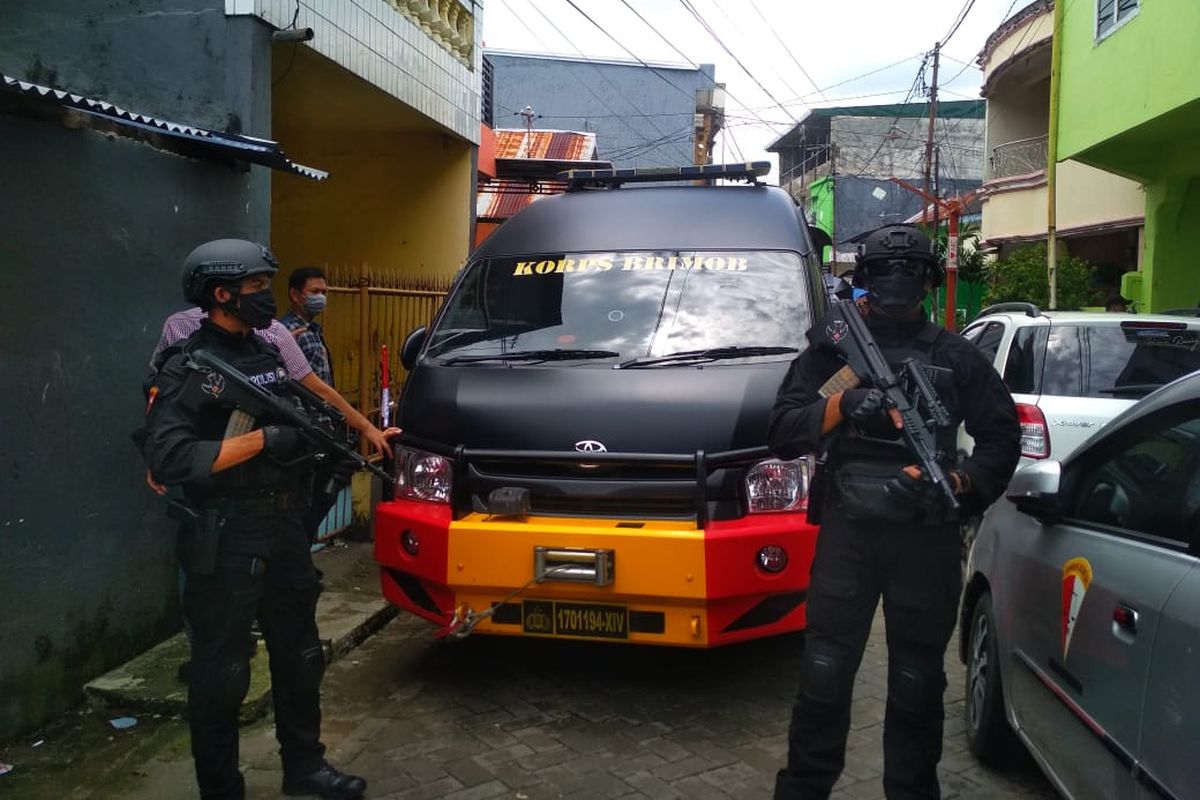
x: 593, y: 620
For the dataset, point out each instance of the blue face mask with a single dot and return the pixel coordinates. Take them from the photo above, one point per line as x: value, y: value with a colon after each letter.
x: 314, y: 304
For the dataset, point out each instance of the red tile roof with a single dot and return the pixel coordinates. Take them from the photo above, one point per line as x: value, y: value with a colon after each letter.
x: 551, y: 145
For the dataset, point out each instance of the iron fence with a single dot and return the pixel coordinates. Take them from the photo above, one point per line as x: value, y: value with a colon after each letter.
x: 1022, y: 157
x: 369, y: 307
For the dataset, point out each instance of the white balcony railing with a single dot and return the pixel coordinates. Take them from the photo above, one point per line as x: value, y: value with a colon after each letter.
x: 1022, y: 157
x: 447, y: 22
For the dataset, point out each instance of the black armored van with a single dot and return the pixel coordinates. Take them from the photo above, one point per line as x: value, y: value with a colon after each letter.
x: 585, y: 422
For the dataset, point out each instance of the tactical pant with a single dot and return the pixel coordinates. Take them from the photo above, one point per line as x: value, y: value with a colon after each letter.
x: 917, y: 571
x: 264, y: 569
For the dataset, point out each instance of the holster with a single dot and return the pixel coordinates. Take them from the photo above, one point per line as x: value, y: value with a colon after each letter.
x: 199, y: 536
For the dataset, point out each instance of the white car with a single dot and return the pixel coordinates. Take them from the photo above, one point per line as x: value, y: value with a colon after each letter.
x: 1081, y: 610
x: 1071, y: 372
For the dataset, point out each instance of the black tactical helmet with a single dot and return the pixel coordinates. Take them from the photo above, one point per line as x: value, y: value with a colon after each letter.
x: 226, y: 261
x: 895, y: 242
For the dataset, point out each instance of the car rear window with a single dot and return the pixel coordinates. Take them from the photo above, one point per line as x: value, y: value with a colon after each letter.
x: 1136, y: 358
x: 1026, y: 356
x: 1126, y: 361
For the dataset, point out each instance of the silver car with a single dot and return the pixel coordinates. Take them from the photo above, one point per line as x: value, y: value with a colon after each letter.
x: 1081, y: 612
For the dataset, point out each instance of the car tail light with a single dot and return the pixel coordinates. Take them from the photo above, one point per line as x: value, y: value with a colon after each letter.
x: 775, y: 485
x: 1035, y: 435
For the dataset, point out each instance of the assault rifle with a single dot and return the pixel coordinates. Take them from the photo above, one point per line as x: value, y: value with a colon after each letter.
x: 258, y: 402
x: 852, y: 339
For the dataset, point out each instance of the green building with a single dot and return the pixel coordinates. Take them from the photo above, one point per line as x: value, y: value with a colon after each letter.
x: 1130, y: 104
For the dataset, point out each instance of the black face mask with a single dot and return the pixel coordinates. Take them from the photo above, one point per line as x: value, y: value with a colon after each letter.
x: 896, y: 285
x: 256, y: 309
x: 896, y: 294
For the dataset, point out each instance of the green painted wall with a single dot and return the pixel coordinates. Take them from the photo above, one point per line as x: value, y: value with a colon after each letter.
x: 820, y: 205
x: 1141, y: 74
x: 1171, y: 278
x: 1130, y: 104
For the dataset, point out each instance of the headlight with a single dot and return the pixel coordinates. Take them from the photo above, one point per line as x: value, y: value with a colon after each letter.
x: 423, y: 476
x: 775, y: 485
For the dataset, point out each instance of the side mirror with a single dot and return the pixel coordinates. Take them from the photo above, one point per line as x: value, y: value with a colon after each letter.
x: 412, y: 346
x: 1034, y: 489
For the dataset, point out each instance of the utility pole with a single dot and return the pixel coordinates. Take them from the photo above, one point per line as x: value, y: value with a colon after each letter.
x: 527, y: 113
x: 955, y: 207
x: 1052, y: 156
x: 933, y: 98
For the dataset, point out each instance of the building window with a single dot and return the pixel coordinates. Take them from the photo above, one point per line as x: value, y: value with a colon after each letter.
x: 1112, y: 14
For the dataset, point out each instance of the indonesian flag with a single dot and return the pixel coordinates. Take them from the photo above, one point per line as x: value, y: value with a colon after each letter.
x: 1077, y: 577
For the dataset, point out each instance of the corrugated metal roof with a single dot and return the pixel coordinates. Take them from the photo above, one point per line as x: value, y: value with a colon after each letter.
x: 496, y: 206
x: 246, y: 148
x: 553, y: 145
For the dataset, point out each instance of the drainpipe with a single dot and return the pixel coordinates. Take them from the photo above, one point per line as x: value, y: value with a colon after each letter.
x: 1052, y: 155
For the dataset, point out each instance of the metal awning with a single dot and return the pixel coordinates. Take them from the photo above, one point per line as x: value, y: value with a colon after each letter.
x: 185, y: 139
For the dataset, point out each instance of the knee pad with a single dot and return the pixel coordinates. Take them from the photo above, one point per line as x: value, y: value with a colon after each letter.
x: 310, y: 668
x: 914, y: 685
x: 826, y: 673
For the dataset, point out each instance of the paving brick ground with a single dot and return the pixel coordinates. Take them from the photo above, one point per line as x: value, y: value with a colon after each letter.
x: 507, y: 718
x: 490, y: 717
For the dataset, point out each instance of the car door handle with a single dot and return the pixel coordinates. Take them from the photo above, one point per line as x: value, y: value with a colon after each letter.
x: 1125, y: 618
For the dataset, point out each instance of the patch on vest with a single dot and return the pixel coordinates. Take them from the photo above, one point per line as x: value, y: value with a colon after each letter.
x: 837, y: 330
x: 214, y: 383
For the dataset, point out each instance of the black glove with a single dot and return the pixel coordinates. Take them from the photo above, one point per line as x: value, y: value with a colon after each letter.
x: 282, y: 442
x: 859, y: 404
x: 920, y: 492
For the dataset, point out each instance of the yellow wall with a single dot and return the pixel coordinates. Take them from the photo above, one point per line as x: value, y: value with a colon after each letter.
x: 400, y: 201
x: 1020, y: 212
x: 1086, y: 197
x: 1037, y: 29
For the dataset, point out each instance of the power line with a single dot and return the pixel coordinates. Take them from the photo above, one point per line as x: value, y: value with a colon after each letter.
x: 912, y: 90
x: 787, y: 50
x: 685, y: 57
x: 733, y: 23
x: 692, y: 10
x: 959, y: 21
x: 635, y: 56
x: 639, y: 134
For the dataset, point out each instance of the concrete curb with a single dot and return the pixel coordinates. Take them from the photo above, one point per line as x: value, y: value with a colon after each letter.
x: 149, y: 683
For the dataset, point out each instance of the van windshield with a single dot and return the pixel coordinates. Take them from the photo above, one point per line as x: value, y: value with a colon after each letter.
x: 626, y: 305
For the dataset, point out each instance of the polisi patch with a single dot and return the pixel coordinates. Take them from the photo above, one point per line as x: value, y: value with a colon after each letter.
x: 214, y: 383
x: 268, y: 378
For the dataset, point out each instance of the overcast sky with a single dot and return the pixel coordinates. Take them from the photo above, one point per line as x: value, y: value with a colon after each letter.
x: 833, y: 41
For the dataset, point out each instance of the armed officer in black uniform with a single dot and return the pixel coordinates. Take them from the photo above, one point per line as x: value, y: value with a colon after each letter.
x: 886, y: 529
x: 247, y: 483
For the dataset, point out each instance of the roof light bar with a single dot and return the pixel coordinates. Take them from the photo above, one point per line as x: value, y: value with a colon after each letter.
x: 749, y: 171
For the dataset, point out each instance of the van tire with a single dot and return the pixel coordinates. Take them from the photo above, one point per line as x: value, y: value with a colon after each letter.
x: 989, y: 735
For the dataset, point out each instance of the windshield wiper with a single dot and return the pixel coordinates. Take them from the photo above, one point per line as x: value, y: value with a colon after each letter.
x: 534, y: 355
x: 709, y: 354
